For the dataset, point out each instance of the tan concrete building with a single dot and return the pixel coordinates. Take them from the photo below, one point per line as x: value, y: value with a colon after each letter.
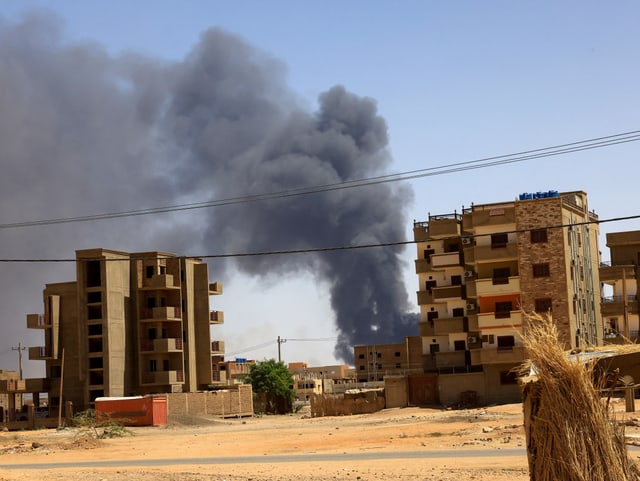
x: 620, y: 305
x: 481, y: 269
x: 374, y: 362
x: 131, y: 324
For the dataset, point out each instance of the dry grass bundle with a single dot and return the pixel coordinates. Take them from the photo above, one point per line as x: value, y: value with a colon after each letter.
x: 569, y: 428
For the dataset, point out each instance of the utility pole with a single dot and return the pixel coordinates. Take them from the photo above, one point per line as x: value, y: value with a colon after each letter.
x: 280, y: 341
x: 20, y: 348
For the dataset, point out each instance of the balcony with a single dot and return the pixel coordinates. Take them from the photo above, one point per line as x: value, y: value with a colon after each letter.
x: 447, y: 225
x: 502, y: 355
x: 423, y: 265
x: 217, y: 347
x: 450, y: 359
x: 163, y: 377
x: 447, y: 259
x: 615, y: 305
x: 215, y: 288
x: 497, y: 286
x: 37, y: 321
x: 40, y: 353
x: 499, y: 319
x: 216, y: 317
x: 167, y: 313
x: 420, y: 231
x: 161, y: 345
x: 160, y: 281
x: 444, y: 293
x: 488, y: 253
x: 448, y: 325
x: 616, y: 273
x: 488, y: 215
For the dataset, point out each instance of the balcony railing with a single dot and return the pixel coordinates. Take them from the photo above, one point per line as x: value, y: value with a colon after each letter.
x: 161, y: 345
x: 447, y: 292
x: 446, y: 259
x: 216, y: 317
x: 496, y: 286
x: 217, y: 347
x: 499, y: 319
x: 39, y: 353
x: 37, y: 321
x: 163, y: 377
x: 161, y: 313
x: 215, y: 288
x: 490, y: 253
x: 630, y: 297
x: 160, y: 281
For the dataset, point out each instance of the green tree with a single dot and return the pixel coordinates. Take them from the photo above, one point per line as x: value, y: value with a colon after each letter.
x: 273, y: 380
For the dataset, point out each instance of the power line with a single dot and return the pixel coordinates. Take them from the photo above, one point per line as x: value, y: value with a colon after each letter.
x: 327, y: 249
x: 561, y: 149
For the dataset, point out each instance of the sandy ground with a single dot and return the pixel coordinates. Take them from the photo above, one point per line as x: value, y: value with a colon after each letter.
x: 494, y: 432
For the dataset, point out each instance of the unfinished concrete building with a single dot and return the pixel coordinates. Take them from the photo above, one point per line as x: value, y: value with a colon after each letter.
x: 131, y: 324
x: 620, y: 306
x: 481, y: 269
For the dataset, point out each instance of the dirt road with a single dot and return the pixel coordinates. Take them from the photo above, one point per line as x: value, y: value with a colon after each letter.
x: 404, y: 444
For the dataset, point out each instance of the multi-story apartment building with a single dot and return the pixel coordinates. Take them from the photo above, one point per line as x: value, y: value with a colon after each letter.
x: 131, y: 324
x: 620, y: 306
x: 374, y: 362
x: 480, y: 270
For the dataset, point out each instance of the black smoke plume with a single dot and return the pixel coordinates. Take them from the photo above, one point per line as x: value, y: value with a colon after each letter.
x: 88, y: 132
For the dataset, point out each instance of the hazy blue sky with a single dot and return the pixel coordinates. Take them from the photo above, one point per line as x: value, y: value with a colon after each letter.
x: 455, y: 81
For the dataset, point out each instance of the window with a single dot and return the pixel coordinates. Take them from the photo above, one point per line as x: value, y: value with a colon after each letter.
x: 538, y: 236
x: 93, y: 297
x: 430, y: 285
x: 503, y: 309
x: 543, y: 304
x: 95, y: 329
x: 506, y: 343
x: 456, y: 280
x: 398, y: 365
x: 95, y: 363
x: 95, y: 344
x: 458, y: 312
x: 541, y: 270
x: 361, y: 356
x: 150, y: 271
x: 397, y: 354
x: 93, y: 274
x: 151, y: 302
x: 459, y: 345
x: 499, y: 240
x: 153, y: 365
x: 433, y: 348
x: 431, y: 316
x: 362, y: 368
x: 94, y: 312
x: 501, y: 275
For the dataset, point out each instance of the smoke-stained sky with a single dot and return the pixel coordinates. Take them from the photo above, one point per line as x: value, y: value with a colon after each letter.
x: 84, y: 132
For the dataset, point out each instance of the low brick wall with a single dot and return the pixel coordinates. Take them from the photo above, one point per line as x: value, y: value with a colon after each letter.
x: 235, y: 402
x: 364, y: 402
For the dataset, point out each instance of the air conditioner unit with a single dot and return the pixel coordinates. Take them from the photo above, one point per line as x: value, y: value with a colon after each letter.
x: 466, y: 241
x: 471, y: 306
x: 468, y: 274
x: 472, y: 340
